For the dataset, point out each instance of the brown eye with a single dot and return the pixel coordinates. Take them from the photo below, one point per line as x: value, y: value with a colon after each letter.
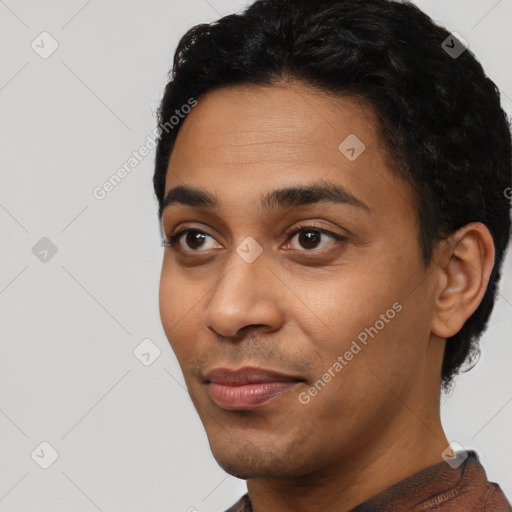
x: 310, y: 237
x: 193, y: 241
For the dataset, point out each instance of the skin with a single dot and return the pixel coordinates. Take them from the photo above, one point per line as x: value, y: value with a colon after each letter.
x: 297, y: 307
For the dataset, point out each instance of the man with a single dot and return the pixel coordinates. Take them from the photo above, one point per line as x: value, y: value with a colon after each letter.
x: 331, y: 191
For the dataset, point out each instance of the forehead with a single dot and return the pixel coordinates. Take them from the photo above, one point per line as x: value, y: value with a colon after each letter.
x: 285, y: 123
x: 241, y: 142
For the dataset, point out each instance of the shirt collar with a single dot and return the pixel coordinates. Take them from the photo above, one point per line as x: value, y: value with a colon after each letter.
x: 426, y: 489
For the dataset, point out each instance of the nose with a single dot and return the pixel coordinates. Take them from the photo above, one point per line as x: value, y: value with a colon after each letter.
x: 246, y: 294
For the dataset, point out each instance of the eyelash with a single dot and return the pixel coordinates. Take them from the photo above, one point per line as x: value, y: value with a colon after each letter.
x: 173, y: 240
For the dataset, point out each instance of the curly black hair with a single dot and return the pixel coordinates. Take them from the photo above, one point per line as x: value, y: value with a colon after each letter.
x: 440, y: 115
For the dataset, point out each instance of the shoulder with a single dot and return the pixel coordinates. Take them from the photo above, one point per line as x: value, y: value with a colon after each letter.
x: 473, y: 492
x: 495, y: 500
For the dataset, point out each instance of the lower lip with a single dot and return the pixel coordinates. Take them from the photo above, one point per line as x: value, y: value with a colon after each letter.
x: 247, y: 396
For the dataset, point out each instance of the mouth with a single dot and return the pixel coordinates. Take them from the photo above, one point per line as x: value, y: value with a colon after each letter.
x: 248, y: 387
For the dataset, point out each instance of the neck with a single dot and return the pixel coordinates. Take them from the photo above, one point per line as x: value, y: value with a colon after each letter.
x: 408, y: 446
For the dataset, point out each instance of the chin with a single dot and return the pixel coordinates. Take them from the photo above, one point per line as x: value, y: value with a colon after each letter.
x: 245, y: 459
x: 246, y: 467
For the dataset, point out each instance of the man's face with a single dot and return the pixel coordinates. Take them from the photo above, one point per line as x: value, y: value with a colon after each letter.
x: 248, y: 292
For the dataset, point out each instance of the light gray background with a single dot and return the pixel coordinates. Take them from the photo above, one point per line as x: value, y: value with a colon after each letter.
x: 126, y: 434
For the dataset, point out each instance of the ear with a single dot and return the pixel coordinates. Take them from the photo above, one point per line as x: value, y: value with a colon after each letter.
x: 467, y: 259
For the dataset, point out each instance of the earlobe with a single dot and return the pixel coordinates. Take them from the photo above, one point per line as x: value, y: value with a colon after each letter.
x: 463, y: 278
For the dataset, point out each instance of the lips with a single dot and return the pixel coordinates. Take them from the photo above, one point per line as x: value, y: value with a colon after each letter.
x: 248, y: 387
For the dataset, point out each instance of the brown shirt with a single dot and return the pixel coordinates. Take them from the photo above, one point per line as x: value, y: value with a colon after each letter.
x: 439, y: 488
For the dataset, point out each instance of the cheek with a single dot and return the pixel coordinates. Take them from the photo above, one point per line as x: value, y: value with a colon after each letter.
x: 177, y: 312
x: 167, y: 300
x: 179, y: 295
x: 348, y: 301
x: 368, y: 315
x: 361, y: 390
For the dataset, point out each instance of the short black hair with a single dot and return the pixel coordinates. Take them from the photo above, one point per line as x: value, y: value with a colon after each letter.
x: 440, y: 116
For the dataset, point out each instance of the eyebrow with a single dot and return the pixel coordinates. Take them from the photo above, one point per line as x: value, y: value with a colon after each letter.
x: 282, y: 198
